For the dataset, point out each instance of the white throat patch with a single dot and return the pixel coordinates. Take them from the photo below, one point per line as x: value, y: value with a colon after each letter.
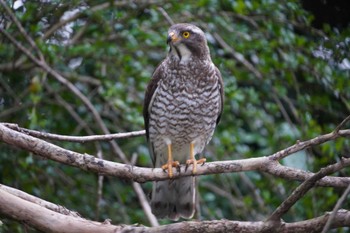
x: 184, y: 52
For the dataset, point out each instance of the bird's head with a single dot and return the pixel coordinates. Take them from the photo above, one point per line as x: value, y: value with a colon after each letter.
x: 187, y: 40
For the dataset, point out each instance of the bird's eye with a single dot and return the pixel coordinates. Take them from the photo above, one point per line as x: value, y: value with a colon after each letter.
x: 186, y: 34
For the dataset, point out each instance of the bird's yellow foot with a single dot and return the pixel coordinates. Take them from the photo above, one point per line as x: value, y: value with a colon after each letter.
x: 169, y: 166
x: 195, y: 162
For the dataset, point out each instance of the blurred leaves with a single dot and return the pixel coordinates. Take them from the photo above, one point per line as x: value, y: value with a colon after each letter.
x: 110, y: 54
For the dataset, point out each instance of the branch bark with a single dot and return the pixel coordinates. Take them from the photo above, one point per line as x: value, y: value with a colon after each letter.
x: 47, y: 220
x: 268, y: 164
x: 80, y: 139
x: 305, y: 187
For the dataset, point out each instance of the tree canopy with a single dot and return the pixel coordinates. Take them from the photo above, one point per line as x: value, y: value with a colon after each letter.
x: 81, y: 67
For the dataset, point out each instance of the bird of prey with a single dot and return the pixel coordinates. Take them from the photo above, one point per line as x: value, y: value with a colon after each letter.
x: 183, y: 104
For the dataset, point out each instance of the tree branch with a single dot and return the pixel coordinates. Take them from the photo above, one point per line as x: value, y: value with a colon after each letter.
x: 140, y: 174
x: 38, y: 201
x: 305, y: 187
x: 311, y: 225
x: 47, y: 220
x: 341, y: 125
x: 335, y: 209
x: 239, y: 57
x: 81, y: 139
x: 166, y: 16
x: 21, y: 29
x: 50, y: 221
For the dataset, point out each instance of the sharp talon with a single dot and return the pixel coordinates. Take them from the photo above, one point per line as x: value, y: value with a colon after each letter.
x: 169, y: 166
x: 195, y: 162
x: 176, y: 164
x: 202, y: 161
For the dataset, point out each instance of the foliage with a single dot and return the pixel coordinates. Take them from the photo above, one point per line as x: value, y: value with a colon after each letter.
x: 293, y: 88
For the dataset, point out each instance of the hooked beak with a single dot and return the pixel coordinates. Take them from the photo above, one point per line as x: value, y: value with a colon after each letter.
x: 172, y: 37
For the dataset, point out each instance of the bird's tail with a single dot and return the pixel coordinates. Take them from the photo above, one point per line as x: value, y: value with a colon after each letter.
x: 174, y: 198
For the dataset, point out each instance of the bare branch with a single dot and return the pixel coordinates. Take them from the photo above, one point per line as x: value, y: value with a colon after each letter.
x: 288, y: 173
x: 141, y: 174
x: 79, y: 14
x: 38, y: 201
x: 145, y: 205
x: 99, y: 187
x: 21, y: 29
x: 235, y: 203
x: 346, y: 120
x: 166, y: 16
x: 239, y: 57
x: 47, y: 220
x: 305, y: 187
x: 335, y: 209
x: 301, y: 145
x: 81, y: 139
x: 311, y: 225
x: 89, y: 10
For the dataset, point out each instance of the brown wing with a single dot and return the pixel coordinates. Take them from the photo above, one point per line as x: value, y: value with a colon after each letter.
x: 221, y: 87
x: 150, y: 91
x: 151, y: 88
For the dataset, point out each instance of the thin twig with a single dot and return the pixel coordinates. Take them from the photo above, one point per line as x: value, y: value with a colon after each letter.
x: 69, y: 108
x: 166, y: 16
x: 335, y: 210
x: 80, y: 139
x: 236, y: 203
x: 99, y: 188
x: 341, y: 124
x: 21, y: 29
x: 145, y: 204
x: 90, y: 10
x: 239, y: 57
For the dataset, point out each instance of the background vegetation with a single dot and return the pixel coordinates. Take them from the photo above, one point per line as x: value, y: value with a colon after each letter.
x: 286, y: 77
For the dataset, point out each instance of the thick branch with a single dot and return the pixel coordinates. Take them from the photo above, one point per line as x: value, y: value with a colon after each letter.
x: 46, y: 220
x: 38, y: 201
x: 310, y: 226
x: 140, y: 174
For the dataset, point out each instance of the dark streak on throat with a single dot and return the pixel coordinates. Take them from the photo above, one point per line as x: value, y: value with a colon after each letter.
x: 178, y: 53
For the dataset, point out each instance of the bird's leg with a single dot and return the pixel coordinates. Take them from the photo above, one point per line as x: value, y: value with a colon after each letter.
x: 170, y: 164
x: 193, y: 160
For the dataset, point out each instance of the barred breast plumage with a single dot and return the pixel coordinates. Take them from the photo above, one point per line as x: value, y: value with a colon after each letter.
x: 185, y: 107
x: 183, y: 104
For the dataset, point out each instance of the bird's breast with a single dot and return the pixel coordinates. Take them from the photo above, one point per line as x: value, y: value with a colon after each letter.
x: 184, y: 108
